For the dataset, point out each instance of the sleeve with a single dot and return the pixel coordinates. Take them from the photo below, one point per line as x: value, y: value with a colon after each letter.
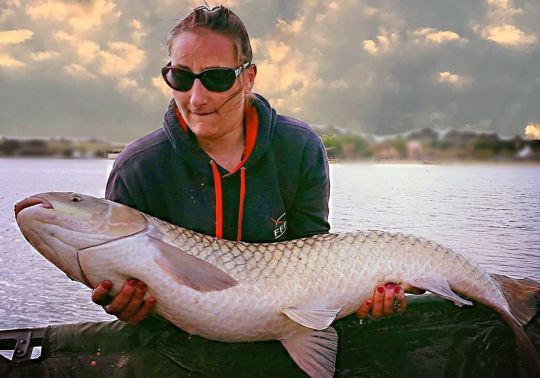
x: 308, y: 214
x: 117, y: 189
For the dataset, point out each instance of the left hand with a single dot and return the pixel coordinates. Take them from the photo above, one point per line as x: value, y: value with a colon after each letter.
x: 387, y: 299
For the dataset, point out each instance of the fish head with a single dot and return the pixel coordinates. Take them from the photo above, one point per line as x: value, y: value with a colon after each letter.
x: 60, y: 224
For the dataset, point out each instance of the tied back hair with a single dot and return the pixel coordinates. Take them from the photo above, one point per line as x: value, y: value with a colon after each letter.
x: 218, y: 19
x: 221, y: 20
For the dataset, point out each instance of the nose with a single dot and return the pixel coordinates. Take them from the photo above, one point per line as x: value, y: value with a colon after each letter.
x: 30, y: 201
x: 199, y: 94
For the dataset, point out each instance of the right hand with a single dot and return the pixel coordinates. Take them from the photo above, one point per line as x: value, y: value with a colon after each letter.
x: 129, y: 304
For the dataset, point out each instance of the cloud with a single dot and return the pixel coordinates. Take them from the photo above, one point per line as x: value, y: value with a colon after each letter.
x: 384, y: 43
x: 14, y: 37
x: 459, y: 82
x: 81, y: 17
x: 138, y: 33
x: 532, y: 131
x: 41, y: 56
x: 434, y: 36
x: 10, y: 62
x: 508, y: 35
x: 121, y: 58
x: 79, y: 72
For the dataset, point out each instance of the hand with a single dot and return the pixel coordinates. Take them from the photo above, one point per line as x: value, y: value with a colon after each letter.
x: 386, y: 300
x: 129, y: 304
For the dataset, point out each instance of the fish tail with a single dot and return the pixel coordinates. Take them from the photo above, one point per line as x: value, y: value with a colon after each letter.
x: 523, y: 296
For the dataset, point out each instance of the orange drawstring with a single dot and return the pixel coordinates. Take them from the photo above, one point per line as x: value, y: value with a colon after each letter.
x: 241, y: 202
x: 219, y: 201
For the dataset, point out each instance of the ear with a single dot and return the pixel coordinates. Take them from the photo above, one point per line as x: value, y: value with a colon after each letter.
x: 249, y: 75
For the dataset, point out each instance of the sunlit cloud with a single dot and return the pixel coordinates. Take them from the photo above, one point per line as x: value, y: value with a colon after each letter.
x: 41, y: 56
x: 454, y: 80
x: 79, y: 72
x: 382, y: 44
x: 138, y: 33
x: 14, y: 37
x: 434, y: 36
x: 80, y: 16
x: 532, y: 131
x: 121, y: 58
x: 159, y: 83
x: 293, y: 27
x: 10, y: 62
x: 509, y: 35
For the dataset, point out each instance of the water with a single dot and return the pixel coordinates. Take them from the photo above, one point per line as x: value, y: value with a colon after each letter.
x: 488, y: 212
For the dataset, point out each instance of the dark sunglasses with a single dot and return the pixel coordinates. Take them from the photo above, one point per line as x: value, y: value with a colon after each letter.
x: 217, y: 79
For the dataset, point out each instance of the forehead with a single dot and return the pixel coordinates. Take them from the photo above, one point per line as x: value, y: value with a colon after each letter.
x: 201, y: 48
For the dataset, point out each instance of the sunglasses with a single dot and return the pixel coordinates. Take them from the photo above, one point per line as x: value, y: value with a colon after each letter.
x: 217, y: 79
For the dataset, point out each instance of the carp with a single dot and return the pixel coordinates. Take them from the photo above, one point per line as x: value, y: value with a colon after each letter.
x: 289, y: 291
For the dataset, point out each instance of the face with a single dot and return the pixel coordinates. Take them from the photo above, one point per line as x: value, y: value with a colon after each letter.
x: 210, y: 115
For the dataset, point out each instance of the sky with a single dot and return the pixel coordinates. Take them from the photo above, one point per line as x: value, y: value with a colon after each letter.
x: 91, y: 68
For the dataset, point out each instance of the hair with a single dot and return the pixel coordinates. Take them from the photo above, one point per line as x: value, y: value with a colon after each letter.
x: 220, y: 20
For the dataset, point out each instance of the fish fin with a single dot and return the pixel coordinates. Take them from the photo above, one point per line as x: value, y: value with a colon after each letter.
x: 440, y: 287
x: 314, y: 351
x: 310, y: 316
x: 188, y: 270
x: 522, y: 295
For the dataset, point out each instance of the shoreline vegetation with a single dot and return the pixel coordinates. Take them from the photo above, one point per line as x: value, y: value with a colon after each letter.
x: 426, y: 146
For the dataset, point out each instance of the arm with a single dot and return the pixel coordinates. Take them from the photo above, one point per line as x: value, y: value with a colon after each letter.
x: 308, y: 214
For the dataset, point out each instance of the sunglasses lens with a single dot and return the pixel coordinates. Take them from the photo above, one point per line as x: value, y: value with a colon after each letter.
x: 218, y: 79
x: 179, y: 79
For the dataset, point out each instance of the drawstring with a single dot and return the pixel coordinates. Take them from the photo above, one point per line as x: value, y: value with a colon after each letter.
x: 219, y: 201
x: 241, y: 202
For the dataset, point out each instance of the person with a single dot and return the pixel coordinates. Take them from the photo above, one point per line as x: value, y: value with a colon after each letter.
x: 224, y: 163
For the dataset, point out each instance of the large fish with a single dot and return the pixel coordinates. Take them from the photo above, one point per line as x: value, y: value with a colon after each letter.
x: 290, y: 291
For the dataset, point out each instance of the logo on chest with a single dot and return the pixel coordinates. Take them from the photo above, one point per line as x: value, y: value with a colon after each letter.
x: 280, y: 226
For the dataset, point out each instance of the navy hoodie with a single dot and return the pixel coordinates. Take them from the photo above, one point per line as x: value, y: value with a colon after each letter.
x: 279, y: 191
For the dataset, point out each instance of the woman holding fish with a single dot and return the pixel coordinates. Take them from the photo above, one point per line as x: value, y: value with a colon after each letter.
x: 224, y: 163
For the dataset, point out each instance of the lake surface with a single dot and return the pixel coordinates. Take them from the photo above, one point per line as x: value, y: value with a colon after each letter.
x: 488, y: 212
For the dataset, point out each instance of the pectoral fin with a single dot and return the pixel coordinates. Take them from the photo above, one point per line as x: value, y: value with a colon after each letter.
x: 311, y: 316
x: 188, y: 270
x: 314, y: 351
x: 440, y: 287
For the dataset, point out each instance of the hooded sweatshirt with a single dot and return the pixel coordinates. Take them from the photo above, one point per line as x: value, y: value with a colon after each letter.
x: 279, y: 191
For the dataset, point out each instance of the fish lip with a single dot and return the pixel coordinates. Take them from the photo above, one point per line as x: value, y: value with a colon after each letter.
x: 29, y: 202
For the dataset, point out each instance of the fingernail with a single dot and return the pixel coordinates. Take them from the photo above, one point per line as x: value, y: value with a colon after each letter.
x: 380, y: 289
x: 368, y: 302
x: 151, y: 300
x: 106, y: 285
x: 132, y: 283
x: 389, y: 286
x: 397, y: 289
x: 141, y: 285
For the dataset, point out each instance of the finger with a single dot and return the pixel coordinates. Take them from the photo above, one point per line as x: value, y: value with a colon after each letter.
x: 363, y: 310
x: 134, y: 303
x: 378, y: 302
x: 100, y: 295
x: 388, y: 306
x: 122, y: 298
x: 143, y: 311
x: 400, y: 295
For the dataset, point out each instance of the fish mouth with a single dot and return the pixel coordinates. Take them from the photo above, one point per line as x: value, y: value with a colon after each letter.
x: 29, y: 202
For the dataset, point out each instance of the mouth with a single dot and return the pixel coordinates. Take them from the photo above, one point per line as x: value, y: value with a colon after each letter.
x: 202, y: 113
x: 29, y: 202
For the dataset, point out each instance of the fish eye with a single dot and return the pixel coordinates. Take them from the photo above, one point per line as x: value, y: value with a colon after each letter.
x: 74, y: 197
